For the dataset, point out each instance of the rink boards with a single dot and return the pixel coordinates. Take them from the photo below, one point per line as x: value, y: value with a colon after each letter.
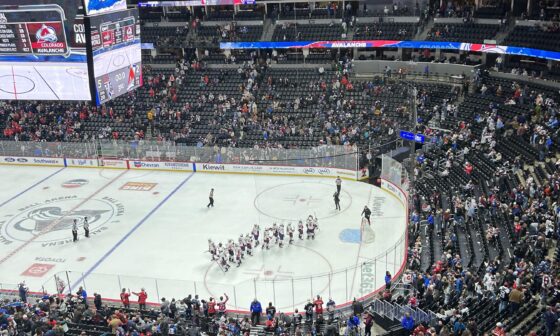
x: 188, y: 167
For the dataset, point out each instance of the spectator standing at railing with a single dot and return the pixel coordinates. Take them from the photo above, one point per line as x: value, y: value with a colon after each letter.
x: 23, y: 290
x: 388, y: 280
x: 357, y: 307
x: 142, y: 297
x: 256, y: 310
x: 222, y: 305
x: 270, y: 310
x: 318, y: 303
x: 97, y: 301
x: 125, y: 298
x: 308, y: 311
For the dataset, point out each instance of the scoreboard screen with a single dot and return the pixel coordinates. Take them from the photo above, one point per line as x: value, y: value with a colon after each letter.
x: 116, y: 50
x: 43, y: 51
x: 94, y: 7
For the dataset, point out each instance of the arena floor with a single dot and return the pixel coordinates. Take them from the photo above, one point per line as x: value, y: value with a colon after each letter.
x: 150, y: 229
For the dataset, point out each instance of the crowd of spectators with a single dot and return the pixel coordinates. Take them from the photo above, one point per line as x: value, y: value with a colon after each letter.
x: 523, y: 215
x: 516, y: 209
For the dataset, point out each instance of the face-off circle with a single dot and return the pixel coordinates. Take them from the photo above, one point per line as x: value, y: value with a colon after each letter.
x: 118, y: 60
x: 16, y: 84
x: 77, y: 72
x: 295, y: 201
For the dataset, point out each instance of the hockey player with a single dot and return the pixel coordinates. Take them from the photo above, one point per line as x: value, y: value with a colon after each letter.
x: 256, y: 232
x: 367, y: 212
x: 231, y: 250
x: 249, y: 244
x: 86, y: 227
x: 336, y: 197
x: 300, y: 230
x: 223, y: 261
x: 241, y: 242
x: 266, y: 239
x: 275, y: 232
x: 310, y: 227
x: 238, y: 254
x: 281, y: 235
x: 75, y: 231
x: 290, y: 232
x: 212, y: 249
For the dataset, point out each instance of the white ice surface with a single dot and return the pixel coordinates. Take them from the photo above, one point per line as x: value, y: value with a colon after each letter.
x: 141, y: 236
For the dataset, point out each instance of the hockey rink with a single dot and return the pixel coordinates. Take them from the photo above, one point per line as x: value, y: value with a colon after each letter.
x: 150, y: 229
x: 116, y: 59
x: 49, y: 81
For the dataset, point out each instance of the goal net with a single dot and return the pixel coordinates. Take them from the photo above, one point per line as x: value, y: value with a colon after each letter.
x: 367, y: 234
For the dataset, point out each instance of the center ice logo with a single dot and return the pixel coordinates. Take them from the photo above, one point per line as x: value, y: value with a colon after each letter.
x: 50, y: 222
x: 46, y: 34
x: 54, y: 218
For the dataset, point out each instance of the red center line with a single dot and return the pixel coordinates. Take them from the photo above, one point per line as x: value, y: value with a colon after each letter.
x: 14, y: 82
x: 48, y: 228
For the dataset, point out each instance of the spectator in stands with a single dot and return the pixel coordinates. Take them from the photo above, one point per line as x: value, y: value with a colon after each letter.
x: 22, y: 291
x: 407, y: 322
x: 125, y: 298
x: 256, y: 311
x: 142, y: 297
x: 499, y: 330
x: 550, y: 318
x: 515, y: 298
x: 388, y: 280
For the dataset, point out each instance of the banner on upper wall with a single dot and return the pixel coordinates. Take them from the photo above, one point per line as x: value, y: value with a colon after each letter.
x: 474, y: 47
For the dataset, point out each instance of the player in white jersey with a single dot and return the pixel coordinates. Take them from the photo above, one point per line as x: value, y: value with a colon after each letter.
x: 223, y: 261
x: 310, y: 227
x: 241, y: 242
x: 266, y: 239
x: 275, y: 232
x: 231, y: 250
x: 212, y: 249
x: 281, y: 233
x: 300, y: 230
x: 255, y: 233
x: 238, y: 254
x: 249, y: 244
x: 290, y: 232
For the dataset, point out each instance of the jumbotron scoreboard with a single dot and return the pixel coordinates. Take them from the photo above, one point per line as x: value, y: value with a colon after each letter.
x: 37, y: 32
x: 43, y: 50
x: 58, y: 50
x: 109, y: 34
x: 116, y: 50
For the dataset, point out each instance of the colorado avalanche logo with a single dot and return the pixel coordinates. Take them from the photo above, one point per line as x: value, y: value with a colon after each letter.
x: 51, y: 221
x: 54, y: 218
x: 46, y: 34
